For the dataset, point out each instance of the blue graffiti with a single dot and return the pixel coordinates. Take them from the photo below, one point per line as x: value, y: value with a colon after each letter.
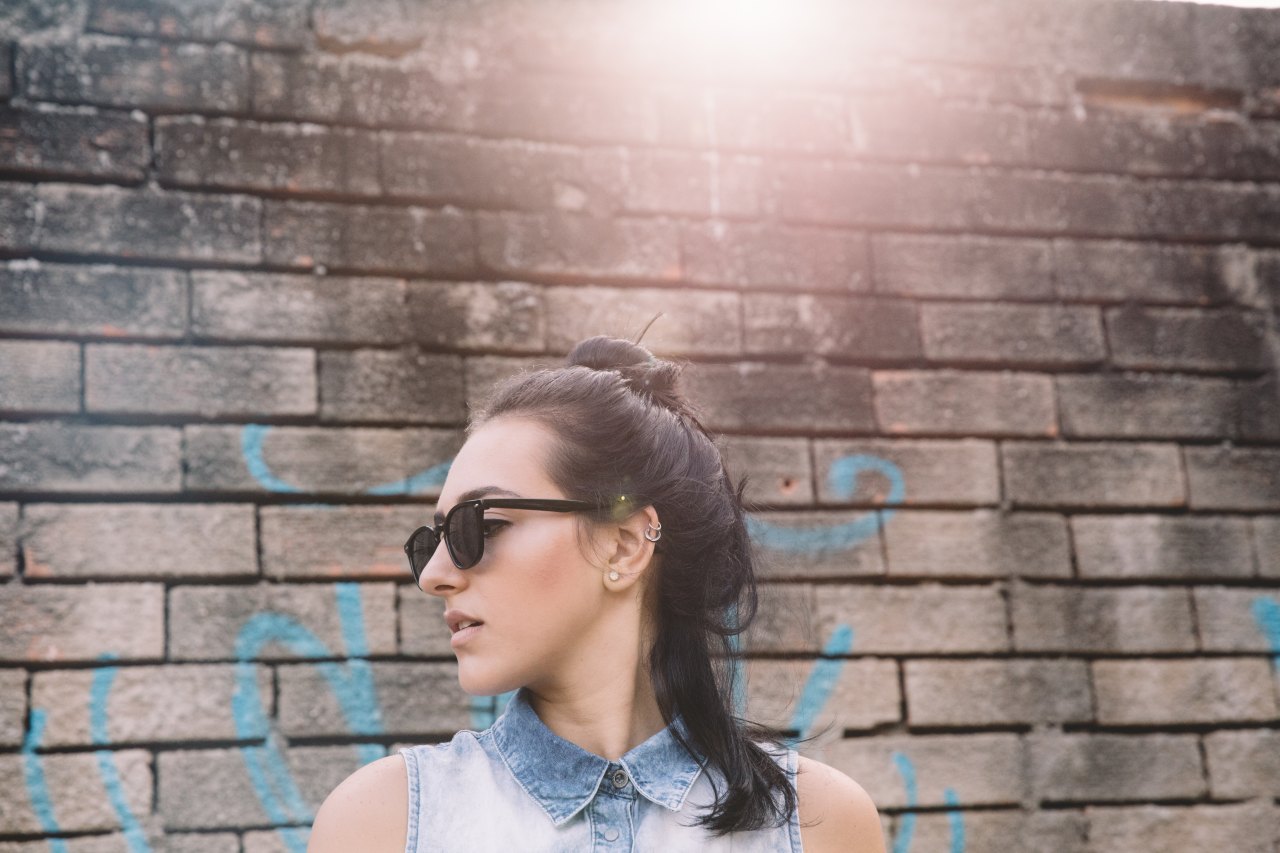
x: 102, y: 680
x: 1266, y: 612
x: 253, y: 436
x: 822, y: 681
x: 907, y: 827
x: 37, y: 787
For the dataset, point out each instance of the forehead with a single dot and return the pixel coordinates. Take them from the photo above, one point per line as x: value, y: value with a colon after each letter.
x: 506, y: 453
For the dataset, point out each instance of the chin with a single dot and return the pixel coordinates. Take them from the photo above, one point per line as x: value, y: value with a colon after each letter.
x: 480, y: 683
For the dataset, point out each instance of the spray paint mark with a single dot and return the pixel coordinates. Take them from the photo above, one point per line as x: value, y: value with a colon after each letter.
x: 1266, y: 612
x: 822, y: 681
x: 907, y: 827
x: 98, y: 692
x: 955, y: 819
x: 37, y: 787
x: 253, y: 436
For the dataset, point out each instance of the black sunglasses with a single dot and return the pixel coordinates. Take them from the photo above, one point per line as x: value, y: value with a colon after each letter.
x: 463, y: 529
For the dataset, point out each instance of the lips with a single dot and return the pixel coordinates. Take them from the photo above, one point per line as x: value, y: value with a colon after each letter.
x: 455, y: 619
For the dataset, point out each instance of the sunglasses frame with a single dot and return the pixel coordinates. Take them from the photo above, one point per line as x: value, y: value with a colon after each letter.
x: 479, y: 505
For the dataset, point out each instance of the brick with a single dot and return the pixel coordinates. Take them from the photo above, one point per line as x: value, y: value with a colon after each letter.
x: 92, y: 300
x: 186, y: 776
x: 808, y: 122
x: 395, y: 386
x: 778, y: 470
x: 891, y: 126
x: 751, y: 255
x: 1164, y: 692
x: 903, y: 472
x: 981, y: 769
x: 924, y: 619
x: 80, y: 623
x: 803, y: 398
x: 1146, y: 405
x: 279, y: 24
x: 1119, y: 271
x: 560, y: 108
x: 18, y: 217
x: 54, y: 458
x: 1243, y: 763
x: 882, y: 330
x: 148, y: 223
x: 1056, y: 831
x: 74, y: 143
x: 114, y: 842
x: 1155, y: 546
x: 996, y: 692
x: 317, y: 460
x: 423, y: 631
x: 1009, y: 334
x: 981, y: 543
x: 252, y: 156
x: 139, y: 73
x: 369, y: 238
x: 204, y: 842
x: 1259, y: 404
x: 324, y: 541
x: 692, y: 184
x: 1152, y: 338
x: 1105, y: 767
x: 1128, y: 620
x: 413, y: 699
x: 13, y: 706
x: 8, y: 538
x: 817, y: 544
x: 202, y: 381
x: 271, y: 840
x: 137, y: 540
x: 784, y: 621
x: 574, y: 247
x: 859, y: 693
x: 1092, y: 475
x: 693, y: 322
x: 1246, y: 827
x: 962, y: 267
x: 1235, y: 619
x: 1109, y: 141
x: 145, y: 704
x: 39, y: 376
x: 215, y: 618
x: 484, y: 373
x: 1243, y: 478
x: 391, y: 28
x: 964, y: 402
x: 1266, y: 532
x: 1031, y: 86
x: 75, y: 787
x: 6, y: 63
x: 504, y: 315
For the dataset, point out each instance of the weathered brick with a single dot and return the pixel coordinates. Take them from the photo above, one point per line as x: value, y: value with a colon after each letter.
x: 111, y: 842
x: 693, y: 321
x: 1056, y: 831
x: 137, y: 73
x: 203, y: 381
x: 924, y: 619
x: 338, y: 541
x: 280, y: 23
x: 1163, y: 692
x: 218, y: 622
x: 761, y: 256
x: 1012, y: 334
x: 39, y: 376
x: 1147, y: 546
x: 559, y: 108
x: 253, y: 156
x: 903, y: 472
x: 405, y: 386
x: 897, y: 127
x: 784, y: 621
x: 1244, y: 827
x: 412, y: 699
x: 1235, y: 619
x: 1266, y: 532
x: 1119, y: 271
x: 692, y: 184
x: 817, y: 544
x: 505, y: 315
x: 136, y: 540
x: 980, y: 769
x: 317, y: 460
x: 996, y: 692
x: 76, y: 788
x: 145, y: 704
x: 13, y: 706
x: 870, y: 329
x: 1244, y: 478
x: 49, y: 457
x: 964, y: 402
x: 861, y: 693
x: 74, y: 143
x: 6, y: 62
x: 1078, y: 620
x: 778, y: 470
x: 1103, y: 767
x: 579, y: 248
x: 204, y: 842
x: 1110, y: 141
x: 1259, y: 409
x: 484, y: 373
x: 94, y: 300
x: 388, y: 28
x: 270, y: 840
x: 53, y: 623
x: 1092, y: 475
x: 1243, y: 763
x: 980, y: 543
x: 1146, y: 405
x: 148, y: 223
x: 8, y: 538
x: 369, y: 238
x: 423, y: 631
x: 790, y: 121
x: 1152, y: 338
x: 802, y: 398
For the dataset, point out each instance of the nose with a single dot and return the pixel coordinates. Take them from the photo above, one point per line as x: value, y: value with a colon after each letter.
x: 440, y: 576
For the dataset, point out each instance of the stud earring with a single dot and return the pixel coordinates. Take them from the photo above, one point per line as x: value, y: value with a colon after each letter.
x: 656, y: 531
x: 613, y: 576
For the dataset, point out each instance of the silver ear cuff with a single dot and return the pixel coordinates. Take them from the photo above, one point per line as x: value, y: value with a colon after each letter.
x: 656, y: 531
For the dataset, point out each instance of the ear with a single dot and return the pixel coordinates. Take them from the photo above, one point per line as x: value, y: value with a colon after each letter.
x: 631, y: 552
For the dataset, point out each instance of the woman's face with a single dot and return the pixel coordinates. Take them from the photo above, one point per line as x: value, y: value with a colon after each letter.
x: 536, y: 591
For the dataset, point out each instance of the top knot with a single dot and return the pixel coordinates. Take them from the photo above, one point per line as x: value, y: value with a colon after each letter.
x: 640, y: 370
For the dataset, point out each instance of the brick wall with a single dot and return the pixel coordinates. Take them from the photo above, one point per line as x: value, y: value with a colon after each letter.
x: 984, y: 296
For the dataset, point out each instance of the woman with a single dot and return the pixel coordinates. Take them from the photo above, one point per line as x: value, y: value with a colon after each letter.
x: 594, y: 555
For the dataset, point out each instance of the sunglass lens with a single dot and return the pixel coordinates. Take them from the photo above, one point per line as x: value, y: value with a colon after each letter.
x: 421, y: 547
x: 466, y: 535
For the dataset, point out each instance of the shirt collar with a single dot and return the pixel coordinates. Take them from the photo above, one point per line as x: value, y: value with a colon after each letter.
x: 563, y: 777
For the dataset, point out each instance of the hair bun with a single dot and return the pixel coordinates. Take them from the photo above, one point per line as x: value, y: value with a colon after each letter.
x: 639, y: 369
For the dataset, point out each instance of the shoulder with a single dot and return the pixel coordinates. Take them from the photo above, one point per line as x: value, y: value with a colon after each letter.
x: 369, y: 810
x: 836, y: 814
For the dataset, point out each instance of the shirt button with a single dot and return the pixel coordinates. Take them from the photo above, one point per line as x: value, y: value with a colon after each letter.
x: 611, y: 834
x: 619, y: 780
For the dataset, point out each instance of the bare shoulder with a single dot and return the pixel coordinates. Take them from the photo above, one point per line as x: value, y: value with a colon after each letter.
x: 836, y: 814
x: 368, y: 811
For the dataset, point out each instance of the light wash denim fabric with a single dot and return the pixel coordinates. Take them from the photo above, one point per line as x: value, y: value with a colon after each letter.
x: 518, y: 786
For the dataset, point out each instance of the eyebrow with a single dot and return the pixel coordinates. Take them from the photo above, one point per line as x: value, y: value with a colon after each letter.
x: 471, y: 495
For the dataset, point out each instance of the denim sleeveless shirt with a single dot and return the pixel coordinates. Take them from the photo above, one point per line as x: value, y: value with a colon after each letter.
x: 517, y: 785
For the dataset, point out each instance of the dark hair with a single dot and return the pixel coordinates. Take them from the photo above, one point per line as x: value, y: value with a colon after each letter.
x: 623, y: 427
